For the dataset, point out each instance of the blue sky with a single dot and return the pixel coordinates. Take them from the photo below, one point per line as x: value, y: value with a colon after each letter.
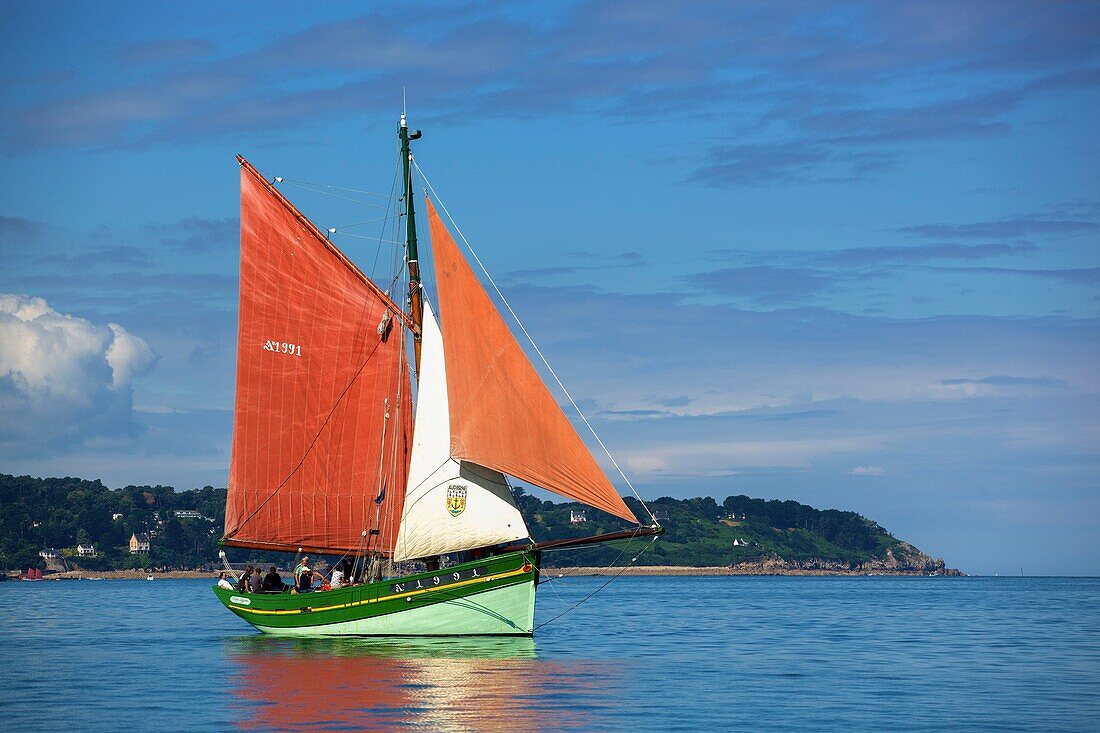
x: 844, y: 253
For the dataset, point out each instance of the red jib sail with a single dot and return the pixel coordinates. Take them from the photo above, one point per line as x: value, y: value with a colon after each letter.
x: 323, y: 416
x: 502, y: 415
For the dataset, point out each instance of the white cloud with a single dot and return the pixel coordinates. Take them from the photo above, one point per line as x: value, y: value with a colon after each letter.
x: 64, y: 381
x: 128, y: 356
x: 869, y: 471
x: 727, y: 458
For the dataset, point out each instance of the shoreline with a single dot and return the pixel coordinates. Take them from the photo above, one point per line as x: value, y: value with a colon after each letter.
x: 129, y: 575
x: 549, y: 572
x: 686, y: 570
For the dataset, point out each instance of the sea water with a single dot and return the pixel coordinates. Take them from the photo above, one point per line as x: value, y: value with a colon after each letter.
x: 657, y: 654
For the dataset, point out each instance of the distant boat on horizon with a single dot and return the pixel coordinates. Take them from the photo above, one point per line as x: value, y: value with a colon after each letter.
x: 329, y: 458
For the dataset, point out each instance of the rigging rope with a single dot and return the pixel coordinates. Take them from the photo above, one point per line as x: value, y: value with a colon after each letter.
x: 535, y: 346
x: 604, y: 585
x: 364, y: 223
x: 391, y: 202
x: 280, y: 179
x: 364, y: 236
x: 308, y: 187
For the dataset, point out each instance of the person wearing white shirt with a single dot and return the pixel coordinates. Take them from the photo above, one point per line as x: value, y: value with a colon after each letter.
x: 223, y: 582
x: 337, y: 579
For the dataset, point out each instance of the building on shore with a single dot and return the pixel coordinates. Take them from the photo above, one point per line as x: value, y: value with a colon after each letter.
x: 190, y: 514
x: 139, y: 543
x: 576, y: 516
x: 53, y: 558
x: 86, y: 550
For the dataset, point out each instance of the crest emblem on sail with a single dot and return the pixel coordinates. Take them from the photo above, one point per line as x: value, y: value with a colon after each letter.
x: 501, y: 414
x: 323, y: 416
x: 456, y: 499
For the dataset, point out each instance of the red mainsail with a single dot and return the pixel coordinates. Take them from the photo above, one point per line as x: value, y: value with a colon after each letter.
x: 323, y: 419
x: 502, y: 415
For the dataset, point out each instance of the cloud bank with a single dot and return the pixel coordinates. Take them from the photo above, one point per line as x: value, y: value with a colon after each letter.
x: 65, y: 382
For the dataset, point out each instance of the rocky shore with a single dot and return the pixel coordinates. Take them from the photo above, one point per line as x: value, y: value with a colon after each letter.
x: 740, y: 569
x: 906, y: 560
x: 129, y: 575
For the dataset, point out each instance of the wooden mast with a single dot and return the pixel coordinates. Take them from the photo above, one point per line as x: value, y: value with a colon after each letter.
x: 416, y: 295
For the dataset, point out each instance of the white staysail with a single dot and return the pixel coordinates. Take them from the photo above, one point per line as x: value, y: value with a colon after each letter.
x: 449, y: 505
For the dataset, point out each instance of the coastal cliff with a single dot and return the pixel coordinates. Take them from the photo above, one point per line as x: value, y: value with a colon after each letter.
x: 904, y: 559
x: 907, y: 560
x: 740, y: 536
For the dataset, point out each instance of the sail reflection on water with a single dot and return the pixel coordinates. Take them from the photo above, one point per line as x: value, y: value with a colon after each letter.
x: 447, y: 684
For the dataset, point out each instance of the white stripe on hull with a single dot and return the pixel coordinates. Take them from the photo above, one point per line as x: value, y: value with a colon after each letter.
x: 501, y: 611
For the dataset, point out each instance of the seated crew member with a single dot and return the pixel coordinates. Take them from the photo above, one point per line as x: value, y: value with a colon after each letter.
x: 273, y: 582
x: 258, y: 580
x: 223, y: 582
x: 339, y: 576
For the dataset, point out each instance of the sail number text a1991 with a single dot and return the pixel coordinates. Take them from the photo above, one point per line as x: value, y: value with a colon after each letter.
x: 282, y: 347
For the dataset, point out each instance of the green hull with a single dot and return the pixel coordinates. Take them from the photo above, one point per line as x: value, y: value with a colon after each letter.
x: 494, y: 596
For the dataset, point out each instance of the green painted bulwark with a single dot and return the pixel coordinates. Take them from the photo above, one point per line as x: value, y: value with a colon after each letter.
x: 494, y: 596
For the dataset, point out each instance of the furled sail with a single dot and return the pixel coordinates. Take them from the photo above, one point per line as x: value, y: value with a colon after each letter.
x: 502, y: 415
x: 323, y: 420
x: 450, y: 505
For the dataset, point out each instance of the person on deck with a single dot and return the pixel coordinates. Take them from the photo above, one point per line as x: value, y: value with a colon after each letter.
x: 303, y: 576
x: 223, y: 582
x: 258, y: 580
x: 273, y: 582
x: 337, y: 578
x: 244, y: 585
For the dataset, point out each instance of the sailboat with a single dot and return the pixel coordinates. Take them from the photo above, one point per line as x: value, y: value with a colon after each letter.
x: 331, y: 457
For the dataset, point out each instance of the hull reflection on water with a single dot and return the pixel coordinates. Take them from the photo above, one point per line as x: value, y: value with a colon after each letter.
x: 381, y: 684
